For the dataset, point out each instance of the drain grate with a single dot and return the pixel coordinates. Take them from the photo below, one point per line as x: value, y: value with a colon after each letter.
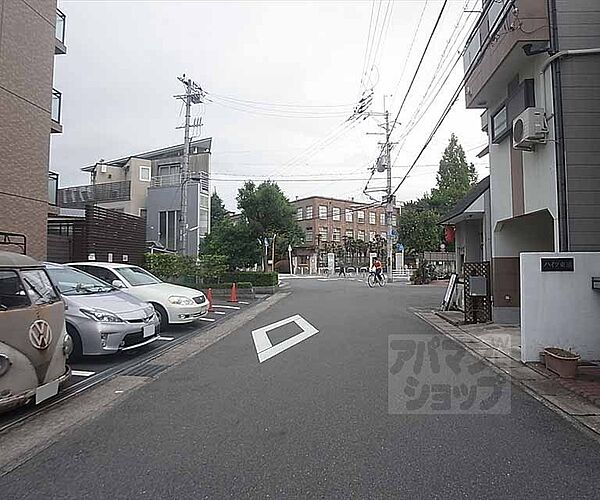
x: 146, y: 370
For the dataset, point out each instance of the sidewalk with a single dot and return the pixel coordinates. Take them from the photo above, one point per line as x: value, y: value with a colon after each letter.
x: 576, y: 399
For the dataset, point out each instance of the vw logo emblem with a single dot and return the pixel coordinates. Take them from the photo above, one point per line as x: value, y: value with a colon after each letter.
x: 40, y: 334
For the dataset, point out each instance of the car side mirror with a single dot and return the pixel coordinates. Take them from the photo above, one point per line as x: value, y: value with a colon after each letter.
x: 118, y: 284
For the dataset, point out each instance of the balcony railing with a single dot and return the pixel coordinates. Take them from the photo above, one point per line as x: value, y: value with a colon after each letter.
x: 56, y: 105
x: 52, y: 188
x: 171, y: 180
x: 61, y: 21
x: 79, y: 196
x: 484, y: 30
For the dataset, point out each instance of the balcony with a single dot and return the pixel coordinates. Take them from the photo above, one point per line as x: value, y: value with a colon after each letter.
x: 160, y: 181
x: 494, y: 52
x: 56, y: 126
x: 80, y: 196
x: 59, y: 33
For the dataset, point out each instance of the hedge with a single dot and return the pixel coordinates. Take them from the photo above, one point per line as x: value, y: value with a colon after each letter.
x: 256, y: 278
x: 227, y: 286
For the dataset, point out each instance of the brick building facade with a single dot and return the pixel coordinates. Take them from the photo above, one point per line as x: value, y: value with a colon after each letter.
x: 31, y: 33
x: 330, y: 220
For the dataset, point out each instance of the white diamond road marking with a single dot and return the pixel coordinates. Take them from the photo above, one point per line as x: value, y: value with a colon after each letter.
x: 82, y: 373
x: 266, y: 350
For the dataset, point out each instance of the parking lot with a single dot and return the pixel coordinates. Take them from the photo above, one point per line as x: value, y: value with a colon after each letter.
x: 91, y: 370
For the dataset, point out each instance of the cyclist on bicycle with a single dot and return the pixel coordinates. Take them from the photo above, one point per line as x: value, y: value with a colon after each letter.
x: 378, y: 268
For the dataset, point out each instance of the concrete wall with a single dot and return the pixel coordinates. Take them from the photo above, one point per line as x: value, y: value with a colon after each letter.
x: 560, y: 309
x: 26, y: 71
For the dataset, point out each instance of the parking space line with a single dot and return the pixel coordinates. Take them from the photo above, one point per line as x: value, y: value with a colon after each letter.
x: 210, y: 320
x: 226, y: 307
x: 82, y: 373
x: 220, y: 313
x: 165, y: 338
x: 245, y: 303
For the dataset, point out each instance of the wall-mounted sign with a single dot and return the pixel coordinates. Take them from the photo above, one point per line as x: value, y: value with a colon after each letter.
x: 558, y: 264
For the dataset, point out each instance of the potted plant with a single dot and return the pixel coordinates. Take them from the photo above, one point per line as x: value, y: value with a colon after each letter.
x: 561, y: 361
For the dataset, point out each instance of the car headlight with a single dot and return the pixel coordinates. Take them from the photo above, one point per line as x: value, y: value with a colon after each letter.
x: 4, y: 364
x: 101, y: 315
x: 67, y: 345
x: 180, y: 300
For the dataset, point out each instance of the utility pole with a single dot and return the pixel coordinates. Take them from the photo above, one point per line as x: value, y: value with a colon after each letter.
x: 193, y: 95
x: 389, y: 206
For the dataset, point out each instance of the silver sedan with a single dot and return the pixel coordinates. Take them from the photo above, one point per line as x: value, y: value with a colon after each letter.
x: 100, y: 318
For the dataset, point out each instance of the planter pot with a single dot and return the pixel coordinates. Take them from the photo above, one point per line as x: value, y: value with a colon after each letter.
x: 561, y: 362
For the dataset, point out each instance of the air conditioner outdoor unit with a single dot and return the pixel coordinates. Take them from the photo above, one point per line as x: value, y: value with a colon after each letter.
x: 529, y: 129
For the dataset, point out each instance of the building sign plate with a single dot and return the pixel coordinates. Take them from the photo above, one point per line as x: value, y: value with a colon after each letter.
x: 558, y: 264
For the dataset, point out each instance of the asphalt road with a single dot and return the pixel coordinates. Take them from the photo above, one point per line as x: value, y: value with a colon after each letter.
x: 315, y: 420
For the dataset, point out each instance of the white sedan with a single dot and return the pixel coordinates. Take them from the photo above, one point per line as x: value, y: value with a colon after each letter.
x: 174, y: 304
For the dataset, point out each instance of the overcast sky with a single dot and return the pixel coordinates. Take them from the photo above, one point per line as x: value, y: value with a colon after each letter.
x: 282, y: 78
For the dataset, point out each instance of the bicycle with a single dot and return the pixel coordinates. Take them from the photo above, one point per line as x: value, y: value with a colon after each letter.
x: 372, y: 279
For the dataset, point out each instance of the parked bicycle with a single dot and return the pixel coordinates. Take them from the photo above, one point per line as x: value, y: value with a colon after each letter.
x: 374, y: 279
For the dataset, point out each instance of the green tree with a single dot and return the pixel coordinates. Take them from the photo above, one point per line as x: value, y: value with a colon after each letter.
x: 235, y: 241
x: 217, y: 210
x: 455, y: 177
x: 268, y: 212
x: 418, y: 229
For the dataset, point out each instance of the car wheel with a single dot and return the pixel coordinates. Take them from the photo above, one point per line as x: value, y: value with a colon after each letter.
x: 77, y: 347
x: 162, y: 317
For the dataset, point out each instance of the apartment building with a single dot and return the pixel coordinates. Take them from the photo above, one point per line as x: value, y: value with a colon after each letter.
x: 31, y: 34
x: 326, y: 220
x: 149, y: 185
x: 533, y: 66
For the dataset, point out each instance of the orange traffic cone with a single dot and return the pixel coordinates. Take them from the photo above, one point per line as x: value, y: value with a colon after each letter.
x: 233, y: 297
x: 210, y: 300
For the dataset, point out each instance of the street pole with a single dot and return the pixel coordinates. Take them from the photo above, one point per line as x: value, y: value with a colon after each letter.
x: 193, y: 95
x: 389, y: 207
x: 273, y: 254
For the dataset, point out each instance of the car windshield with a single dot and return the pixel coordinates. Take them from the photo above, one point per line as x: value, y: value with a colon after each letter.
x: 136, y: 276
x: 74, y: 282
x: 39, y: 287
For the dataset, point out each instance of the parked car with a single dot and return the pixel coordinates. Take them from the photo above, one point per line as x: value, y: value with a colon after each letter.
x: 100, y: 318
x: 173, y: 303
x: 34, y: 344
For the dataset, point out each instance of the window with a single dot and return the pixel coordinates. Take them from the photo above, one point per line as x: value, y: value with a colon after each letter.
x: 371, y: 235
x: 168, y: 169
x: 322, y: 212
x: 394, y: 220
x: 309, y: 212
x: 372, y: 218
x: 74, y: 282
x: 99, y: 272
x: 12, y: 293
x: 361, y: 234
x: 145, y: 173
x: 143, y: 213
x: 360, y: 215
x: 499, y: 125
x: 323, y: 233
x: 309, y: 234
x: 336, y: 215
x: 168, y: 225
x: 299, y: 213
x: 348, y: 215
x: 39, y: 287
x: 382, y: 219
x: 383, y: 235
x: 136, y: 276
x: 337, y: 234
x: 349, y: 233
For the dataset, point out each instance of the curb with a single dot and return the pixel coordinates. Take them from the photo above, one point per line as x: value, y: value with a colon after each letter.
x: 587, y: 421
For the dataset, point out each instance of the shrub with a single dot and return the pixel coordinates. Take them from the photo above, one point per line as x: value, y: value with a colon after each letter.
x: 256, y: 278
